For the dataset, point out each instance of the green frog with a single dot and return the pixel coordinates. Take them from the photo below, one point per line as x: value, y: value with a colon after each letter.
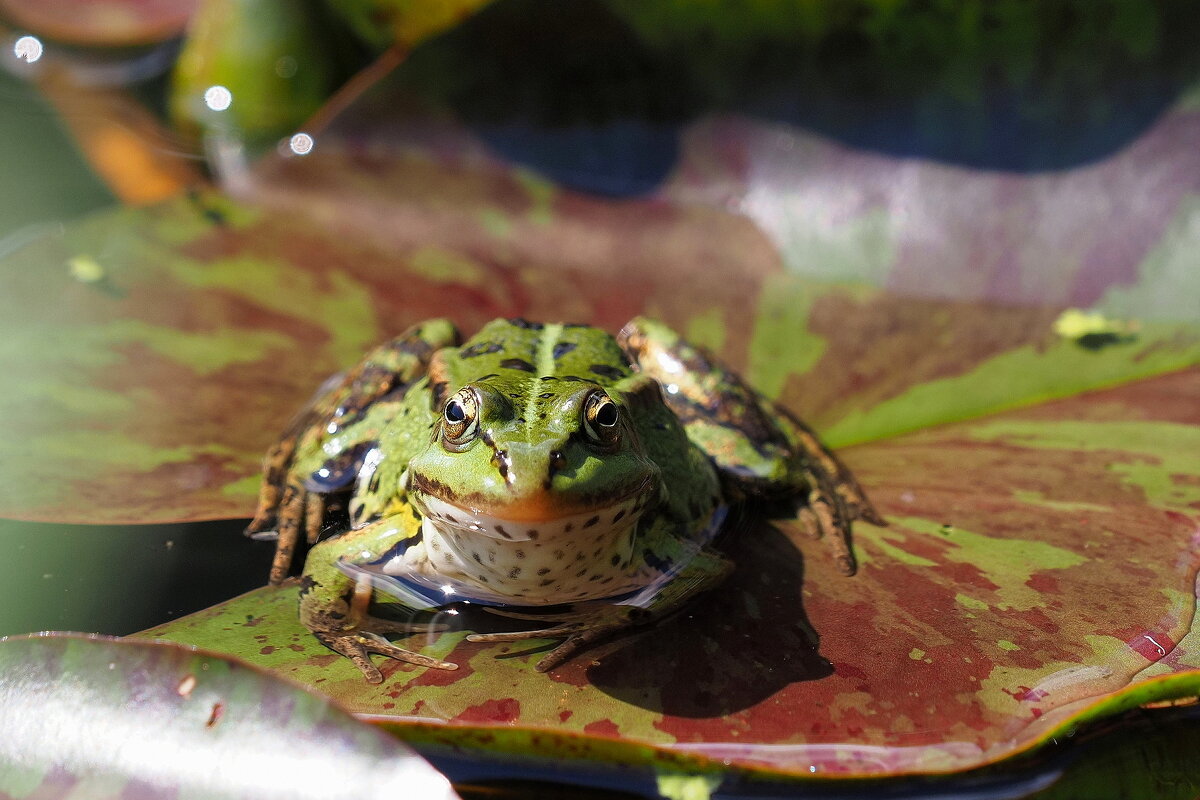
x: 533, y: 465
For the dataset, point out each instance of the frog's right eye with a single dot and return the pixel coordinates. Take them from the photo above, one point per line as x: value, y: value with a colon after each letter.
x: 460, y: 419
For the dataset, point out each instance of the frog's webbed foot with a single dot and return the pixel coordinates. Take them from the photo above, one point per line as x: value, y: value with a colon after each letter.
x: 825, y: 516
x: 299, y: 509
x: 285, y: 505
x: 345, y: 627
x: 834, y: 480
x: 358, y: 645
x: 585, y: 630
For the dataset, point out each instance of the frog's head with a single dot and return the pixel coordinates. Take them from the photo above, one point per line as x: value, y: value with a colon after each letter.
x: 533, y: 459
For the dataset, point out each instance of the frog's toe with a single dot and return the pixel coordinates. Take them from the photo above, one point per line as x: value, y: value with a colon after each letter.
x: 867, y: 513
x: 352, y: 647
x: 554, y: 632
x: 578, y: 637
x: 810, y: 523
x: 380, y: 625
x: 359, y: 645
x: 576, y: 643
x: 832, y: 522
x: 381, y: 646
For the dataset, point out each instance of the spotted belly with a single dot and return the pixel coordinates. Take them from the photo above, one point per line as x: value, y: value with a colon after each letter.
x: 583, y: 556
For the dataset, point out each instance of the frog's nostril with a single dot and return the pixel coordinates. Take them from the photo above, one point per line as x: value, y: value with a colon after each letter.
x: 558, y: 462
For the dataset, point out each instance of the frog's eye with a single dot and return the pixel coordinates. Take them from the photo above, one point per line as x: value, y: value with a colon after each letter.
x: 601, y: 419
x: 459, y: 418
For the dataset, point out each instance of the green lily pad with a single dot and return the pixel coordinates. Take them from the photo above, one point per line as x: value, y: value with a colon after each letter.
x: 1039, y: 570
x: 100, y: 717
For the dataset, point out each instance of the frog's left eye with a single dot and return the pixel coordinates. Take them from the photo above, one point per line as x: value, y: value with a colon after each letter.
x: 460, y: 419
x: 601, y: 419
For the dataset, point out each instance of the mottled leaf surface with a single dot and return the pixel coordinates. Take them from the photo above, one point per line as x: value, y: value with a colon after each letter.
x: 91, y: 716
x: 1039, y: 568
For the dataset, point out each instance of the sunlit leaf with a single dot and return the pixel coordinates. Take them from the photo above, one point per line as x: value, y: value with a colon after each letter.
x: 1039, y: 569
x: 161, y: 350
x: 99, y: 717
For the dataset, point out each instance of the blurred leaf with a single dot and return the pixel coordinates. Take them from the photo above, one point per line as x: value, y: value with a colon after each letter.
x: 273, y: 58
x: 406, y: 23
x: 101, y: 23
x: 1116, y: 227
x: 100, y: 717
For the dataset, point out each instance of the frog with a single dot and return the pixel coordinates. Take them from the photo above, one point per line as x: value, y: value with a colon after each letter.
x: 549, y: 472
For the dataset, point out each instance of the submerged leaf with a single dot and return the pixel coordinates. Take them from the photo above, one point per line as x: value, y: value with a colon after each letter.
x: 100, y: 717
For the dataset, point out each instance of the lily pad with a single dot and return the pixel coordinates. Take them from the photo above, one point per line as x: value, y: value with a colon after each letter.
x: 162, y: 350
x: 1040, y: 569
x: 99, y: 717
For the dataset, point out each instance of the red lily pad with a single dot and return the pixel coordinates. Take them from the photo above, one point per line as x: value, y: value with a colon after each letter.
x: 162, y: 350
x: 1040, y: 569
x: 100, y: 717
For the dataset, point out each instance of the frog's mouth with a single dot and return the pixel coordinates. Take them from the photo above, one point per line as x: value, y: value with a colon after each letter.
x: 534, y: 520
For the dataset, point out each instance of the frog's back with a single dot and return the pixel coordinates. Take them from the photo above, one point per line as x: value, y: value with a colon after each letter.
x: 509, y: 347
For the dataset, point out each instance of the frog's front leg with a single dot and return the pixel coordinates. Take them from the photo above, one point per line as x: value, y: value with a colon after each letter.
x: 587, y: 626
x: 348, y: 410
x: 335, y: 606
x: 759, y: 449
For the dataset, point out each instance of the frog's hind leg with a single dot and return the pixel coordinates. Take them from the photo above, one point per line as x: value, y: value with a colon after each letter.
x: 760, y: 449
x: 352, y: 406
